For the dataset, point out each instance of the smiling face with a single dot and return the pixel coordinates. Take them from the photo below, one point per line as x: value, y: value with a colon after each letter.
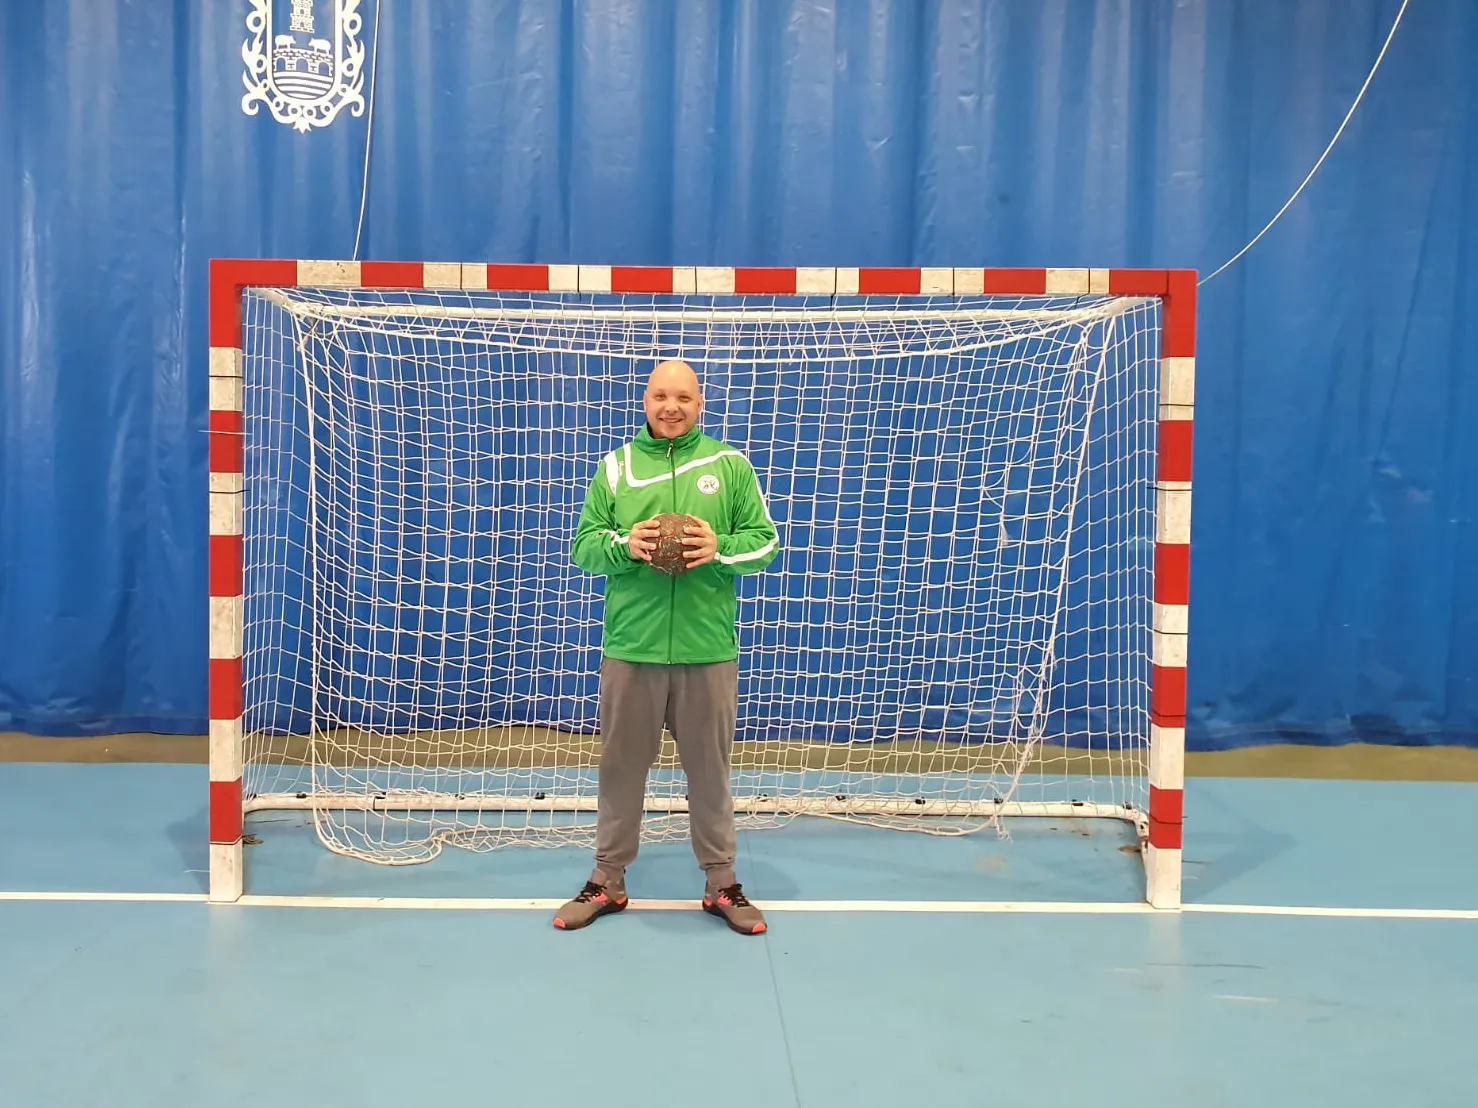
x: 673, y: 400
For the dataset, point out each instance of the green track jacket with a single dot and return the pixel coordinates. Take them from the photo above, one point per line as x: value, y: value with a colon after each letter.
x: 651, y: 617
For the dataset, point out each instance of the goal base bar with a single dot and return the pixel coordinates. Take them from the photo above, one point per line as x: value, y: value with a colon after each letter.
x: 1162, y: 865
x: 757, y: 805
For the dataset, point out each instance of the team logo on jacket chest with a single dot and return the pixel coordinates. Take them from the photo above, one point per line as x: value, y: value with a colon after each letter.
x: 708, y: 484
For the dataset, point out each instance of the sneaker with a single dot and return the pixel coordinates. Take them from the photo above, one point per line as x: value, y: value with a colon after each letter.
x: 593, y: 902
x: 733, y: 907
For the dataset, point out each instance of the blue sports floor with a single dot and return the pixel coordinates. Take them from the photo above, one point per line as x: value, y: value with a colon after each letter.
x: 1076, y: 998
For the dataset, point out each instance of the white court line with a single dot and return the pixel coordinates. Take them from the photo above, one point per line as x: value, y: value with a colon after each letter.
x: 919, y: 907
x: 89, y: 897
x: 925, y: 907
x: 1339, y: 913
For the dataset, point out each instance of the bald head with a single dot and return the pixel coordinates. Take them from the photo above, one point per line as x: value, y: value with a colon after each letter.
x: 673, y: 399
x: 673, y: 374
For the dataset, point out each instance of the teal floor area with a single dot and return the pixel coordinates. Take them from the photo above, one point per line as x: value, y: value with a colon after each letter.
x: 173, y: 1002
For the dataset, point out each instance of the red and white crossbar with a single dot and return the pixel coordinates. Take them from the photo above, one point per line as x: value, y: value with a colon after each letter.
x: 1175, y: 287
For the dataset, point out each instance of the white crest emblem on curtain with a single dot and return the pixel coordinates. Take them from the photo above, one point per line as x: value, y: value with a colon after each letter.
x: 305, y: 74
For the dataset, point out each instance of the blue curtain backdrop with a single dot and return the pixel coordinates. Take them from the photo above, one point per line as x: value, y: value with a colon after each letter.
x: 1335, y: 593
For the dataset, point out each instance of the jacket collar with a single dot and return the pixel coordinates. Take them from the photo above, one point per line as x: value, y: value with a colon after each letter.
x: 651, y: 444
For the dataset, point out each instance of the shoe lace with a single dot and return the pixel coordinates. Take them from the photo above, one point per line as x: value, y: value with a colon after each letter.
x: 735, y: 894
x: 589, y: 892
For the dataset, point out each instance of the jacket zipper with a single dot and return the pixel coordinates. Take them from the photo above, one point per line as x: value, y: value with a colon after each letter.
x: 672, y: 584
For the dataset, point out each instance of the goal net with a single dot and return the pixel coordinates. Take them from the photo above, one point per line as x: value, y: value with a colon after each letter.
x: 958, y: 627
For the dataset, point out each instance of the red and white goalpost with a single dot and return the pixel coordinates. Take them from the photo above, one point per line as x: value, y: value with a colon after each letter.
x: 982, y: 480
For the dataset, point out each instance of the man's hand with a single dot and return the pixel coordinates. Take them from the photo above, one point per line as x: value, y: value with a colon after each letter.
x: 642, y: 542
x: 701, y: 544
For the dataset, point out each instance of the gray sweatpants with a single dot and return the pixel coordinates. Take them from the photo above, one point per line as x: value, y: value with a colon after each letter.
x: 699, y: 705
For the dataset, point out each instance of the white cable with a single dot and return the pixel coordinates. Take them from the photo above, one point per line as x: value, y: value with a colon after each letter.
x: 1359, y: 96
x: 369, y: 128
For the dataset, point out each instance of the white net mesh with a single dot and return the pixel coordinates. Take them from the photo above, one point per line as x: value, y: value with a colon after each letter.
x: 958, y: 626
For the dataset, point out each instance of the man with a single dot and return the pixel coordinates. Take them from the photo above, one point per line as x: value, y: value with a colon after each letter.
x: 671, y: 648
